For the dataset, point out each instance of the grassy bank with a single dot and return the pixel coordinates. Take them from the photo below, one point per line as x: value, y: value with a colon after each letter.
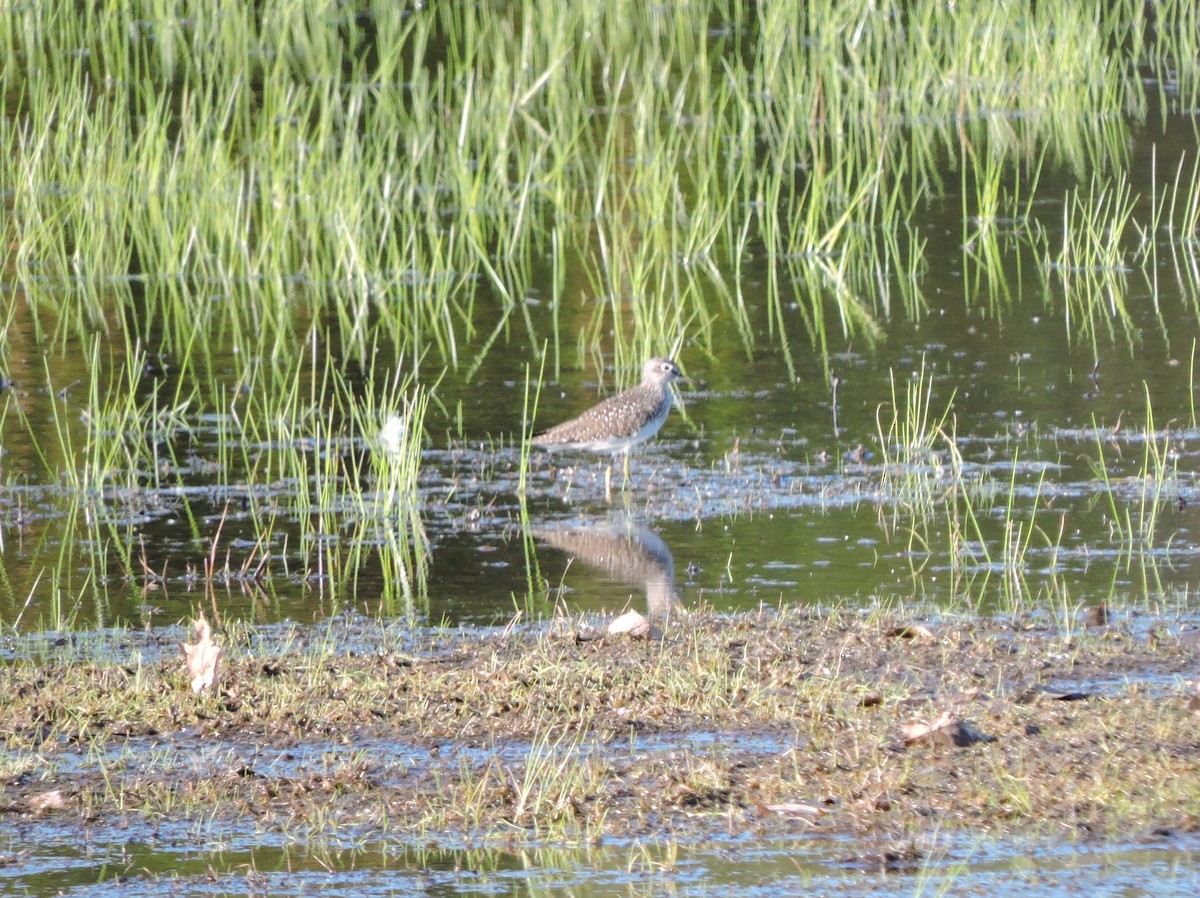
x: 771, y: 722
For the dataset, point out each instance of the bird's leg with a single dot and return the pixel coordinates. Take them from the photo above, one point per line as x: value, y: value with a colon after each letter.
x: 608, y: 483
x: 625, y: 482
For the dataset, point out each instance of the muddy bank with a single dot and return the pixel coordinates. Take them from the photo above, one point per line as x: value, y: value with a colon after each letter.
x: 886, y: 723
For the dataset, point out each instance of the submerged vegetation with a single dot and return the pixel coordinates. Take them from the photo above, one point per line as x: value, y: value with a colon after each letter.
x: 244, y: 242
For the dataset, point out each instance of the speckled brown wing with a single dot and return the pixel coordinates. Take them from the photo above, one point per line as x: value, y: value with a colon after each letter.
x: 618, y: 416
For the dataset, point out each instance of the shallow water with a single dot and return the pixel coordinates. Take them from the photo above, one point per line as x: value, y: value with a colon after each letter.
x: 751, y: 491
x: 760, y: 502
x: 201, y: 860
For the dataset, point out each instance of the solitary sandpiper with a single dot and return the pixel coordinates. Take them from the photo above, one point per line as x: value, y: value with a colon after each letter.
x: 620, y: 422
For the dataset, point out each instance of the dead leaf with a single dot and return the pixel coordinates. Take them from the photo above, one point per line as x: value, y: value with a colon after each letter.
x: 203, y: 658
x: 634, y: 625
x: 916, y: 731
x: 947, y: 730
x: 54, y: 800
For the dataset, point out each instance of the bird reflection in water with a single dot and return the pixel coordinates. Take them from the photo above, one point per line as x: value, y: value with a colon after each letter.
x: 624, y: 550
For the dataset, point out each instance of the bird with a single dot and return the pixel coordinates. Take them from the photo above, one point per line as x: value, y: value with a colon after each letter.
x: 620, y: 422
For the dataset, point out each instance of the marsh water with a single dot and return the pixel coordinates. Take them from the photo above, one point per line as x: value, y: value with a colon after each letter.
x: 1004, y: 436
x: 1076, y: 429
x: 182, y: 863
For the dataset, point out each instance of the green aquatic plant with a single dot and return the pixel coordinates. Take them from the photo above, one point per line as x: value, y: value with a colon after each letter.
x: 307, y: 177
x: 910, y: 427
x: 1094, y: 228
x: 234, y: 217
x: 1136, y: 501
